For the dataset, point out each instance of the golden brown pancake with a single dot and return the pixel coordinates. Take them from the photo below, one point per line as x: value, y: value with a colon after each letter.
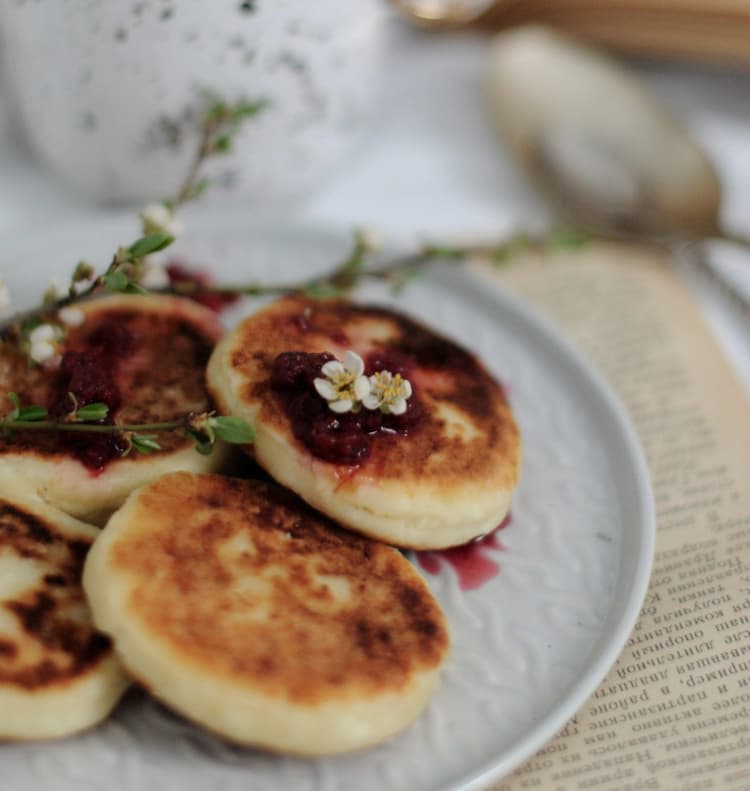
x: 444, y: 481
x: 154, y: 349
x: 252, y: 615
x: 58, y: 674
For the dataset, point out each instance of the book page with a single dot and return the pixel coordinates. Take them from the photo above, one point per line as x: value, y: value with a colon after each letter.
x: 674, y: 712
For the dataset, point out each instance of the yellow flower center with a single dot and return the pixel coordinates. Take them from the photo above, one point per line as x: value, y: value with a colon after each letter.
x: 390, y: 386
x: 343, y: 381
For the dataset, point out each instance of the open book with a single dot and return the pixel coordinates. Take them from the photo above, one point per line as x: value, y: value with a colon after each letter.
x: 674, y: 712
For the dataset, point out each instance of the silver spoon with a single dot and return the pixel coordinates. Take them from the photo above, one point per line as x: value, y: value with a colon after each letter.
x: 598, y: 145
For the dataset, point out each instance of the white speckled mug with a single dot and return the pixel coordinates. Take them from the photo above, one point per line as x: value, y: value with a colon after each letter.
x: 108, y: 92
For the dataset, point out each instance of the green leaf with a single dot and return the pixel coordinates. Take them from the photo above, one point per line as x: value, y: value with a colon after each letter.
x: 116, y: 281
x: 244, y: 109
x: 568, y: 238
x: 323, y: 291
x: 150, y: 244
x: 200, y: 187
x: 51, y: 295
x: 234, y: 430
x: 354, y: 263
x: 500, y: 256
x: 29, y: 325
x: 122, y: 256
x: 95, y: 411
x: 32, y: 413
x: 218, y: 109
x: 135, y: 288
x: 404, y: 278
x: 441, y: 251
x: 145, y: 443
x: 204, y: 443
x: 16, y: 401
x: 83, y: 271
x: 222, y: 144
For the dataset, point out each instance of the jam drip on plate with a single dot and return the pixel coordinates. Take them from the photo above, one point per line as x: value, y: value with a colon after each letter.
x: 89, y: 373
x: 337, y: 438
x: 471, y: 562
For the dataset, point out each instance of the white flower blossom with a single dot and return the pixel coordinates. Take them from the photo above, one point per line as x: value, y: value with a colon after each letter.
x: 154, y: 275
x: 43, y: 344
x: 344, y: 385
x: 5, y: 301
x: 388, y: 392
x: 54, y: 290
x: 71, y: 316
x: 158, y: 218
x: 370, y: 239
x: 42, y: 352
x: 45, y: 333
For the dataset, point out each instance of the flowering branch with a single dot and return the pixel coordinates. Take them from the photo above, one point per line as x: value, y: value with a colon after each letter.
x: 397, y: 271
x: 123, y: 272
x: 203, y: 428
x: 119, y: 277
x: 341, y: 280
x: 221, y: 122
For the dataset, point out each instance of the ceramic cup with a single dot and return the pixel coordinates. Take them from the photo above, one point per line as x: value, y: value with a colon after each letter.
x: 109, y: 93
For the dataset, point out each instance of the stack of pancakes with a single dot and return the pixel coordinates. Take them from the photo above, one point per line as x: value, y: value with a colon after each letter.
x: 233, y: 601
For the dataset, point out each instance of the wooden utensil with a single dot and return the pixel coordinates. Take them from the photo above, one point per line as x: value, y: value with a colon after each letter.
x: 709, y: 30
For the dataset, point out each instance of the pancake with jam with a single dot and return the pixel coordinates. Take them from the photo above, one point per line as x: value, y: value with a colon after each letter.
x: 145, y: 357
x: 438, y: 474
x: 58, y: 675
x: 247, y: 612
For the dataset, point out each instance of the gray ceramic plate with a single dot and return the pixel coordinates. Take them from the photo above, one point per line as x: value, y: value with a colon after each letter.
x: 530, y: 644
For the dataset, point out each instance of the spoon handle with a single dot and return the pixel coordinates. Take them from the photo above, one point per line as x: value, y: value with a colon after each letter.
x: 704, y: 30
x: 708, y: 30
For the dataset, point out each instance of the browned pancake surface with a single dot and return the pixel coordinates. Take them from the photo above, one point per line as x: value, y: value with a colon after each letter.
x: 245, y: 581
x: 484, y: 443
x: 52, y: 641
x: 160, y: 378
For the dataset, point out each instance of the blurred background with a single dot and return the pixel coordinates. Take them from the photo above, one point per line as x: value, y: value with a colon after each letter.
x: 99, y: 101
x: 433, y: 118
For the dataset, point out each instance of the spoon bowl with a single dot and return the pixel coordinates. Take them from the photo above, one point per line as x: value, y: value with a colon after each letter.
x: 596, y: 143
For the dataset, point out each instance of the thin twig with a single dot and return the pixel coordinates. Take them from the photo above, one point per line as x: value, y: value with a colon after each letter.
x: 118, y: 428
x: 343, y: 278
x: 205, y: 146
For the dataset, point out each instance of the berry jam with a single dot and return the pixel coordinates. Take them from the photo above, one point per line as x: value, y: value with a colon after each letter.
x: 337, y: 438
x: 471, y: 562
x: 179, y: 273
x: 88, y: 372
x: 88, y: 376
